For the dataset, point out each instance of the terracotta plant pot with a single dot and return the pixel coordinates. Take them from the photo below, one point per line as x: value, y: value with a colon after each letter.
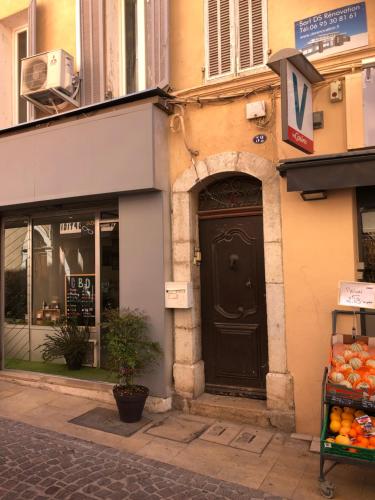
x: 130, y: 401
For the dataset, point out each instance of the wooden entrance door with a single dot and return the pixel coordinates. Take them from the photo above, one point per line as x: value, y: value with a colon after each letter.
x: 234, y: 329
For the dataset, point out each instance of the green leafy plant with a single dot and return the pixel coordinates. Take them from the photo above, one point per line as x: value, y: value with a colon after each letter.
x: 130, y: 351
x: 69, y: 341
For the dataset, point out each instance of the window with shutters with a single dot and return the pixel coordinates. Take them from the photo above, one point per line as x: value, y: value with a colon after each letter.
x: 136, y: 49
x: 17, y: 40
x: 133, y: 46
x: 235, y: 36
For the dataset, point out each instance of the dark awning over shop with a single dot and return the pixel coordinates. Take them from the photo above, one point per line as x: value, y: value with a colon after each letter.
x: 337, y: 171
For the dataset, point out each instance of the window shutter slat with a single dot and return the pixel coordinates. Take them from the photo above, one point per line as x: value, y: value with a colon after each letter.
x: 92, y: 51
x: 219, y: 38
x: 250, y: 34
x: 257, y: 29
x: 157, y: 43
x: 31, y: 33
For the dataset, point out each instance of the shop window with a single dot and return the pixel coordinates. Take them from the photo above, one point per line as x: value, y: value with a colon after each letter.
x: 16, y: 254
x: 235, y: 36
x: 64, y: 270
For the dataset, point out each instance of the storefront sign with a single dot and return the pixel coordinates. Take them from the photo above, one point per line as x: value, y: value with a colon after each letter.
x: 357, y: 294
x: 334, y: 31
x: 297, y: 118
x: 86, y: 227
x: 80, y: 298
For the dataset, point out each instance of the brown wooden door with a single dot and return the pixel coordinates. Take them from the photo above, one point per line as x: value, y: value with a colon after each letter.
x: 234, y: 329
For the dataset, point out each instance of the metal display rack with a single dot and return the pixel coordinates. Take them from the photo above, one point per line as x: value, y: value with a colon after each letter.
x: 337, y: 453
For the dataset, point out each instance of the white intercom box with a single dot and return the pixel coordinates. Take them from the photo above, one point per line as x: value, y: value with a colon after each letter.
x: 178, y: 294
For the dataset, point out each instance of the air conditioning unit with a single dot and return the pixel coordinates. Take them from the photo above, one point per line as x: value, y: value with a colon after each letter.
x: 47, y: 79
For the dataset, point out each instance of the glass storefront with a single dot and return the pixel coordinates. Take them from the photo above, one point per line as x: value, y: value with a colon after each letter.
x: 55, y: 268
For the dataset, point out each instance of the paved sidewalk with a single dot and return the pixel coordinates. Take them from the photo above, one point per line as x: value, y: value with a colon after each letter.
x: 36, y: 464
x: 286, y: 468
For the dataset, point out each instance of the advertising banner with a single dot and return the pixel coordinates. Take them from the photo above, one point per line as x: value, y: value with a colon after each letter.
x: 328, y: 33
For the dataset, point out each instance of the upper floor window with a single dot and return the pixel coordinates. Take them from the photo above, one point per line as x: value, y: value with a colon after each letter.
x: 20, y: 51
x: 124, y: 47
x: 235, y: 36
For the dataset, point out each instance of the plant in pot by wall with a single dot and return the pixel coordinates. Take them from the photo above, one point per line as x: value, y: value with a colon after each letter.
x: 130, y: 352
x: 69, y: 341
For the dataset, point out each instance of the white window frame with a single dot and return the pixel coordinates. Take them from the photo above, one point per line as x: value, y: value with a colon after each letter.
x: 259, y: 68
x: 16, y: 83
x: 140, y: 43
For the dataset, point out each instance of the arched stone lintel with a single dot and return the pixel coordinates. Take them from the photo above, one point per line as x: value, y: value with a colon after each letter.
x: 247, y: 163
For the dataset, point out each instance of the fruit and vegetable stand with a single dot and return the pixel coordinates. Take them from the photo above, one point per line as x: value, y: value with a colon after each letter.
x: 348, y: 404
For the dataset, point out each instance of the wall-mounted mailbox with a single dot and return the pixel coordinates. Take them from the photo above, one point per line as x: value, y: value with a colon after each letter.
x: 178, y: 294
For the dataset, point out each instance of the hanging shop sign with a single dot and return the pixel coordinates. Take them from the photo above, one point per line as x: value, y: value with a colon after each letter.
x: 297, y: 75
x: 332, y: 31
x: 297, y: 112
x: 357, y: 294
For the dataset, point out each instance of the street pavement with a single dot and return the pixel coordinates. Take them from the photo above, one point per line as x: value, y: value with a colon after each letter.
x: 38, y: 464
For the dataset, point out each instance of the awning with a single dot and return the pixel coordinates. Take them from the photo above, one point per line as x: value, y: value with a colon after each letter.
x: 336, y: 171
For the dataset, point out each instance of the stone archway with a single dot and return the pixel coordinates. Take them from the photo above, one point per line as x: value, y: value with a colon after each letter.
x: 188, y: 368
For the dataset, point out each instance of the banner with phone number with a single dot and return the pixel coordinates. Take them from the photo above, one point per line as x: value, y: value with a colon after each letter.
x: 328, y: 33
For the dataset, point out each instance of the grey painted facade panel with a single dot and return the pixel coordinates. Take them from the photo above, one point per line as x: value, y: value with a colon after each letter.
x: 144, y: 267
x: 110, y: 152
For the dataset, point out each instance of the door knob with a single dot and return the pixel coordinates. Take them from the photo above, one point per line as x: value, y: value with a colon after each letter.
x: 248, y: 283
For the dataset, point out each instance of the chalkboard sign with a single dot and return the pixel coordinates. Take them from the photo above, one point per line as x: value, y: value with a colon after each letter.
x: 80, y: 298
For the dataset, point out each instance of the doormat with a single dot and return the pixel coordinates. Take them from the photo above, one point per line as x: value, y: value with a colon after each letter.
x: 178, y: 429
x: 107, y: 420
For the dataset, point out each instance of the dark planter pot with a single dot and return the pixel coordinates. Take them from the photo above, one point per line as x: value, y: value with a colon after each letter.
x: 130, y: 406
x: 73, y: 363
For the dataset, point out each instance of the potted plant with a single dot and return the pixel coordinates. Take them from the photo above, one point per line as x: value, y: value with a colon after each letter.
x: 69, y: 341
x: 130, y: 352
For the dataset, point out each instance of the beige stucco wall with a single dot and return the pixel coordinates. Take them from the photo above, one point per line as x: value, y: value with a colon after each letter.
x: 56, y: 28
x: 56, y: 23
x: 319, y: 247
x: 10, y: 7
x: 319, y: 240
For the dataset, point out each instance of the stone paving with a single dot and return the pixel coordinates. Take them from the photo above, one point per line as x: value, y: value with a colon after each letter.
x: 37, y: 464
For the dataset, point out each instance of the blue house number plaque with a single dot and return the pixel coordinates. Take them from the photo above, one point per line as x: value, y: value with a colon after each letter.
x: 259, y: 139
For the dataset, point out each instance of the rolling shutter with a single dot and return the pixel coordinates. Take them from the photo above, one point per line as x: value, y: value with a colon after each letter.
x: 92, y: 51
x: 250, y: 34
x: 219, y: 37
x: 157, y: 43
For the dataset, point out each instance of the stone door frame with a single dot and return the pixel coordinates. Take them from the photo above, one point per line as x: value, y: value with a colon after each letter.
x: 188, y: 368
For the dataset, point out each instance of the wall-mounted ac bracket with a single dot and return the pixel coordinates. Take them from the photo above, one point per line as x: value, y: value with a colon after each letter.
x: 50, y: 109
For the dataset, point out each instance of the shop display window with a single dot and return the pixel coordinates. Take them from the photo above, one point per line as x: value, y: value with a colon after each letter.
x: 16, y: 255
x: 55, y: 268
x: 64, y: 270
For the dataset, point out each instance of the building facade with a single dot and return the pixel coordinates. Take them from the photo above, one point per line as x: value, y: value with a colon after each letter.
x: 173, y: 168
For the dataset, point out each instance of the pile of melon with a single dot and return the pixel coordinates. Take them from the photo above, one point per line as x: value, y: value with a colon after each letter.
x: 346, y: 430
x: 353, y: 366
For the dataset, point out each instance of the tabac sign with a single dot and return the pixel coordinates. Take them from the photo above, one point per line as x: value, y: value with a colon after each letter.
x: 297, y: 75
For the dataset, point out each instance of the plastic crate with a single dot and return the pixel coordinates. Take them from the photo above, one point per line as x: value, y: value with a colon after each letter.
x: 340, y: 450
x: 341, y: 396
